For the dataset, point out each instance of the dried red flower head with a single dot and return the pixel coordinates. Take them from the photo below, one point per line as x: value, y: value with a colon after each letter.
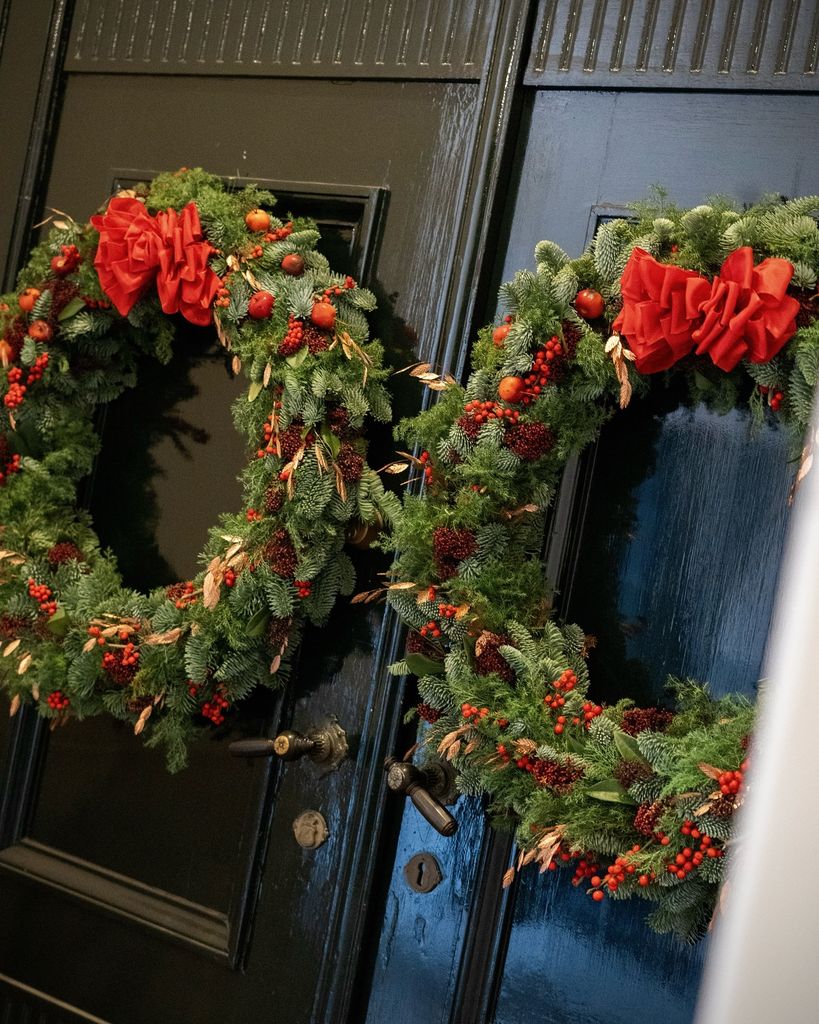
x: 428, y: 713
x: 557, y: 775
x: 273, y: 499
x: 280, y: 554
x: 350, y: 463
x: 65, y: 551
x: 648, y: 816
x: 637, y: 720
x: 629, y: 772
x: 529, y: 441
x: 451, y: 546
x: 488, y: 658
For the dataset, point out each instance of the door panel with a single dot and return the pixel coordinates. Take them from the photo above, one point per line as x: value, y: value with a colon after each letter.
x: 657, y: 564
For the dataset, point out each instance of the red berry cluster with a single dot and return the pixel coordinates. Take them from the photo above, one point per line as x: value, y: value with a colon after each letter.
x: 615, y: 875
x: 229, y: 578
x: 482, y: 412
x: 252, y: 515
x: 503, y: 753
x: 215, y: 708
x: 294, y: 339
x: 182, y: 594
x: 223, y: 294
x: 586, y: 868
x: 730, y: 783
x: 473, y: 714
x: 565, y: 683
x: 423, y: 458
x: 447, y: 611
x: 688, y: 859
x: 96, y: 303
x: 58, y: 701
x: 279, y: 234
x: 430, y: 628
x: 43, y: 595
x: 775, y: 396
x: 95, y: 631
x: 67, y: 262
x: 121, y: 664
x: 544, y: 369
x: 11, y: 464
x: 304, y: 588
x: 37, y: 370
x: 16, y: 392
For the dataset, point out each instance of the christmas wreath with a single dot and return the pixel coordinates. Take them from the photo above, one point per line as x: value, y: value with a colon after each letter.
x: 635, y: 801
x: 93, y: 299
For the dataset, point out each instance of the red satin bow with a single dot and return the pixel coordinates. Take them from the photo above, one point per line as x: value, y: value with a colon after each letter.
x: 135, y: 249
x: 744, y: 313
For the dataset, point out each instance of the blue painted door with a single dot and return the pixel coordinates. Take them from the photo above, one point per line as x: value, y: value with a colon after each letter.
x: 669, y: 555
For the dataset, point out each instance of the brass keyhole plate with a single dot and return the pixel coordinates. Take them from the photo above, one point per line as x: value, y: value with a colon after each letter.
x: 310, y: 830
x: 422, y: 872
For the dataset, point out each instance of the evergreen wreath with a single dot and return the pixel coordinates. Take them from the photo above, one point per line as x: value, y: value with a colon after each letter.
x: 90, y: 301
x: 636, y: 802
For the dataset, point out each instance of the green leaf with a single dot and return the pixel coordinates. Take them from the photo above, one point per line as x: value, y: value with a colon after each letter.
x: 421, y: 665
x: 610, y: 791
x: 575, y: 745
x: 254, y: 390
x: 257, y: 623
x: 627, y: 747
x: 333, y: 443
x: 58, y: 623
x: 298, y: 357
x: 70, y: 308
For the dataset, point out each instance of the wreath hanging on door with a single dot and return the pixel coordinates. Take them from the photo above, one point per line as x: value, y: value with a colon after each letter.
x: 93, y: 299
x: 635, y: 801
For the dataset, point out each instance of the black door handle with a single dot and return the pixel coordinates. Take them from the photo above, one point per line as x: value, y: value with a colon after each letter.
x: 325, y: 745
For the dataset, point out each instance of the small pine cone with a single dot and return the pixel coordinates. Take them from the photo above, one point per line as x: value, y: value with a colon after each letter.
x: 629, y: 772
x: 316, y: 340
x: 273, y: 499
x: 571, y: 336
x: 138, y: 704
x: 11, y: 626
x: 350, y: 463
x: 65, y: 552
x: 470, y: 426
x: 556, y: 775
x: 450, y: 547
x: 277, y: 632
x: 637, y: 720
x: 808, y: 307
x: 724, y: 807
x: 291, y: 439
x: 529, y: 441
x: 428, y: 713
x: 647, y: 817
x: 338, y: 420
x: 280, y: 554
x: 488, y: 658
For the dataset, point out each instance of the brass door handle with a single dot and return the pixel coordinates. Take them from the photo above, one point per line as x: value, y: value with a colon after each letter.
x: 325, y: 745
x: 426, y: 787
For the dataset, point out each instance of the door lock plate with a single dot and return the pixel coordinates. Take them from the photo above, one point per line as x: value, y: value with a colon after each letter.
x: 423, y: 872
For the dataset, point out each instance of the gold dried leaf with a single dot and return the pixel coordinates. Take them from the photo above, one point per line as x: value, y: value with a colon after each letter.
x: 366, y: 596
x: 471, y: 746
x: 508, y: 877
x: 438, y: 385
x: 524, y: 747
x: 453, y: 751
x: 401, y: 586
x: 12, y: 421
x: 12, y: 647
x: 236, y: 365
x: 232, y: 262
x: 395, y: 468
x: 233, y: 549
x: 710, y: 770
x: 35, y: 691
x: 168, y: 637
x: 268, y: 370
x: 25, y: 665
x: 14, y: 706
x: 416, y: 369
x: 212, y: 592
x: 462, y: 610
x: 275, y: 664
x: 89, y: 645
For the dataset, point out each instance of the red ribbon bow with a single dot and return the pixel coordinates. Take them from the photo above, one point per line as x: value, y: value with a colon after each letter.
x: 136, y: 249
x: 744, y: 313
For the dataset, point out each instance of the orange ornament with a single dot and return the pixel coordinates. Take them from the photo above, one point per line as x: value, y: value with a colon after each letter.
x: 511, y: 389
x: 40, y: 331
x: 589, y: 304
x: 27, y: 299
x: 324, y: 315
x: 500, y: 333
x: 257, y: 220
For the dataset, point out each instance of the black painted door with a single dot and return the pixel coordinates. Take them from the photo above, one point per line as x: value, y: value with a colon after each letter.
x: 652, y: 537
x: 127, y: 895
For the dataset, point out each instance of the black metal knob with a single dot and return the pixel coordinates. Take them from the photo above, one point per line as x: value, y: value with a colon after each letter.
x: 325, y: 745
x: 423, y: 786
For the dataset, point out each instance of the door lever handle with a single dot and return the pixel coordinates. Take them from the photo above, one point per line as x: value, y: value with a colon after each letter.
x: 324, y: 745
x: 426, y: 787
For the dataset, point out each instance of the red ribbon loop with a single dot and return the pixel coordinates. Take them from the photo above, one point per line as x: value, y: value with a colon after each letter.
x: 744, y: 313
x: 136, y: 249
